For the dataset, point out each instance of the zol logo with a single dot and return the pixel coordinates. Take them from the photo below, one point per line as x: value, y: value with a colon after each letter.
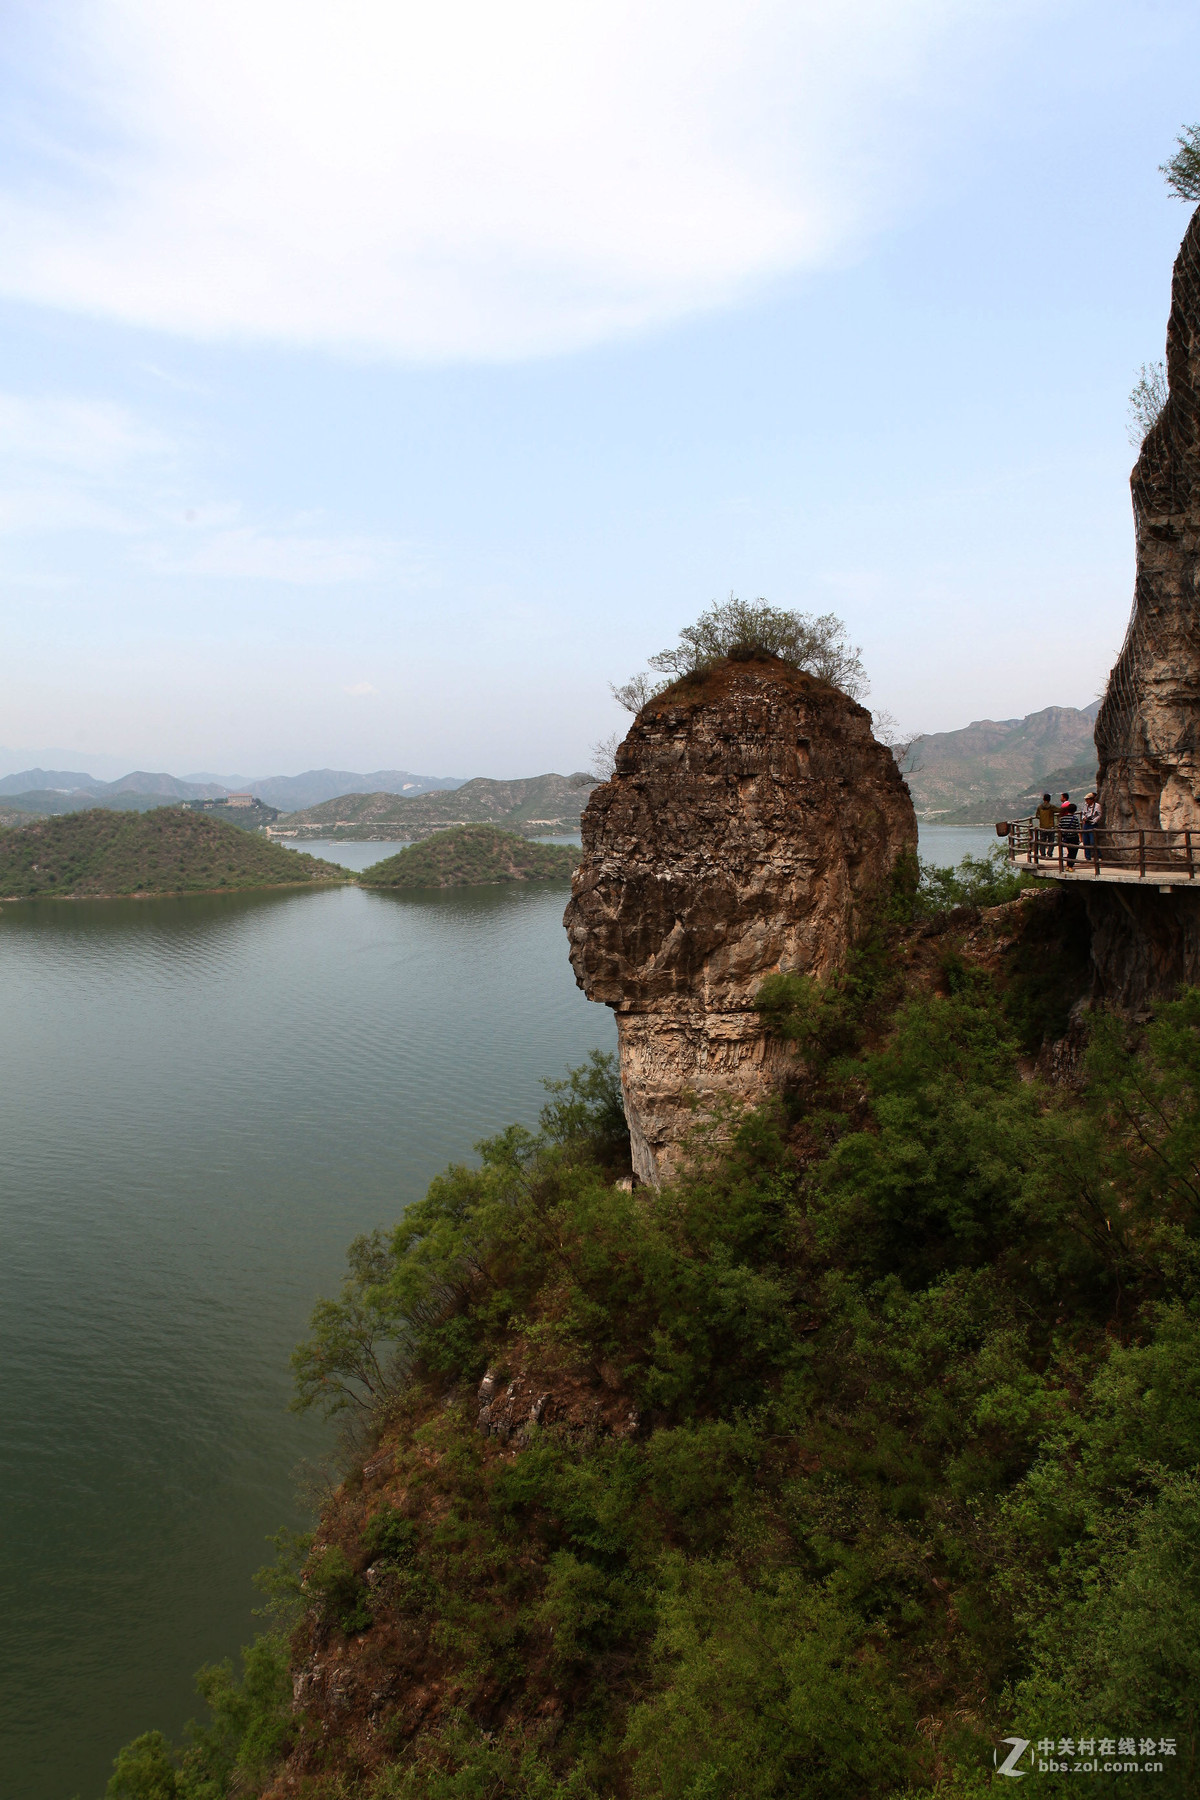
x: 1008, y: 1766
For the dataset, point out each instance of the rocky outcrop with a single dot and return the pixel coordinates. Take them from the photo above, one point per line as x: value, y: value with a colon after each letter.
x: 1145, y: 943
x: 1148, y: 730
x: 750, y: 820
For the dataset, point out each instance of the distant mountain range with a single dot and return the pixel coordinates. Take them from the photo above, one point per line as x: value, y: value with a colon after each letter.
x: 991, y: 769
x: 69, y: 790
x: 537, y: 806
x: 999, y: 768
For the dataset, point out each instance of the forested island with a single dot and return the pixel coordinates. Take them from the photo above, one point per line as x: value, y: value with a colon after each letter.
x: 104, y: 854
x: 472, y: 856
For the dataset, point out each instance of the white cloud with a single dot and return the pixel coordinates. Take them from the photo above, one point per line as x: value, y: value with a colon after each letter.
x: 78, y: 465
x: 68, y: 464
x: 361, y: 687
x: 87, y: 437
x: 465, y: 179
x: 248, y: 554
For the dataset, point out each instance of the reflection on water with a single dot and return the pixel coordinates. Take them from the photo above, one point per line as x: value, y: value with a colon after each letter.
x: 201, y: 1101
x: 351, y: 853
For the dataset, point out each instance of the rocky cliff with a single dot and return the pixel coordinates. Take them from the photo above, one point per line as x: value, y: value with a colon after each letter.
x: 750, y: 819
x: 1148, y: 730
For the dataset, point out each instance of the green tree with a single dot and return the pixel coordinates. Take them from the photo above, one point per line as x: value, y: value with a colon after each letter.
x: 143, y: 1770
x: 1183, y: 169
x: 740, y: 630
x: 1147, y: 398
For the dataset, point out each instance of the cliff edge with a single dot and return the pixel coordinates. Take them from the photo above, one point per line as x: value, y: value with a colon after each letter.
x: 750, y: 818
x: 1148, y: 730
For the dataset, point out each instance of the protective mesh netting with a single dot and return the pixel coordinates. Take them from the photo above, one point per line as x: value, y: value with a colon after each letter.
x: 1116, y: 723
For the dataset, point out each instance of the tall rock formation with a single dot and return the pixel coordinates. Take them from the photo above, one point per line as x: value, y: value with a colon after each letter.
x: 751, y: 818
x: 1148, y: 730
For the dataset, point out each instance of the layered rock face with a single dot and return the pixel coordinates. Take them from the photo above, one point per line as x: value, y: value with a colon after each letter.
x: 751, y: 818
x: 1148, y: 731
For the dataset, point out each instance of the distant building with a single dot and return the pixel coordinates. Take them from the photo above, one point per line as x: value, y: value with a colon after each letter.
x: 239, y: 799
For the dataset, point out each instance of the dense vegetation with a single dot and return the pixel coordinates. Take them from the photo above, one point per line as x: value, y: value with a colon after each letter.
x: 872, y: 1440
x: 167, y: 851
x: 743, y: 630
x: 471, y: 856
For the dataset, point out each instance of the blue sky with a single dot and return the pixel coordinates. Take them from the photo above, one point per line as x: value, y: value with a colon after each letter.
x: 377, y: 387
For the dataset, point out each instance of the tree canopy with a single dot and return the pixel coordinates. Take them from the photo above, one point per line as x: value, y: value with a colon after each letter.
x: 1183, y: 169
x: 743, y: 629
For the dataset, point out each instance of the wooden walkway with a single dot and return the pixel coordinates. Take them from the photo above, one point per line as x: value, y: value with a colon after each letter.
x: 1154, y: 859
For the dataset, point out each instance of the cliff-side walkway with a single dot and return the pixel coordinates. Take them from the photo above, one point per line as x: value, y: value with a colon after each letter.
x: 1162, y: 859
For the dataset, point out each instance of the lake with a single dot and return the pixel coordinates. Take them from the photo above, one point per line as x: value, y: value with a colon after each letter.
x: 202, y: 1101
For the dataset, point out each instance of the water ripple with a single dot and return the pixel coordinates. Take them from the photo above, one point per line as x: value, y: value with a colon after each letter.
x: 201, y: 1101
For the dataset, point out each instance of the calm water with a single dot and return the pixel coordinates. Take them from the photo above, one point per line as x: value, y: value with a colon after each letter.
x: 201, y: 1101
x: 946, y: 845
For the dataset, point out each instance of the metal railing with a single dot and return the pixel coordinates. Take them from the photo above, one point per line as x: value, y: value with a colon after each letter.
x: 1064, y: 849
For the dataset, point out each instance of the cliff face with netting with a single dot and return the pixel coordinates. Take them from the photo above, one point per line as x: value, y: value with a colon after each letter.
x: 1148, y: 731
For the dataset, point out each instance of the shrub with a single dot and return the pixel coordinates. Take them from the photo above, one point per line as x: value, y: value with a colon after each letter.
x: 741, y: 630
x: 339, y: 1592
x: 1183, y: 169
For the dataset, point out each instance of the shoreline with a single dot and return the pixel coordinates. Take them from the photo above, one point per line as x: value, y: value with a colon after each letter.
x: 258, y: 887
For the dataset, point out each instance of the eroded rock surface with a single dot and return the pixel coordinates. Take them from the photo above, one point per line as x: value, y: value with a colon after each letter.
x: 751, y: 818
x: 1148, y: 732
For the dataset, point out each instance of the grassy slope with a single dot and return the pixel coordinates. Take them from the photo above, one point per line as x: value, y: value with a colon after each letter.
x: 167, y: 851
x: 48, y: 801
x: 472, y: 855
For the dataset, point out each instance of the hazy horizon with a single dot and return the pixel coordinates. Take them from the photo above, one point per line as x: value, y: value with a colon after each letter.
x: 103, y: 767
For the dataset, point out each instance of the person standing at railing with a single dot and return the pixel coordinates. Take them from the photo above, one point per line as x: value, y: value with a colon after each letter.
x: 1070, y: 830
x: 1047, y: 819
x: 1093, y: 818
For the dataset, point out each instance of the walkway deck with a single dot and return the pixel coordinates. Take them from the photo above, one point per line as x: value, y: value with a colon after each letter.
x: 1146, y: 859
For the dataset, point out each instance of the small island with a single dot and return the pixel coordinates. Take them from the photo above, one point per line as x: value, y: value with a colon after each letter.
x: 471, y: 856
x: 101, y: 854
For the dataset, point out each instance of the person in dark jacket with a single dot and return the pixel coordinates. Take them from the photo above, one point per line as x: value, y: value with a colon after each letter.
x: 1070, y: 831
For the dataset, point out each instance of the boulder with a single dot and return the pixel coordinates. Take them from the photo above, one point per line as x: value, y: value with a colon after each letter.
x: 751, y: 820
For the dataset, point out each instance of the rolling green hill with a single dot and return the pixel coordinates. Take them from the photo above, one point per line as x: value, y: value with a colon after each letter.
x: 45, y: 802
x: 472, y: 856
x: 106, y: 853
x: 541, y: 803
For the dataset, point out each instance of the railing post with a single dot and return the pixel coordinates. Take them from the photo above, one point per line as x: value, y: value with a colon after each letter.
x: 1058, y: 835
x: 1141, y: 853
x: 1187, y: 844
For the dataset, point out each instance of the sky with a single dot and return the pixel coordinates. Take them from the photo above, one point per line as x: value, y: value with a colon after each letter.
x: 379, y: 382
